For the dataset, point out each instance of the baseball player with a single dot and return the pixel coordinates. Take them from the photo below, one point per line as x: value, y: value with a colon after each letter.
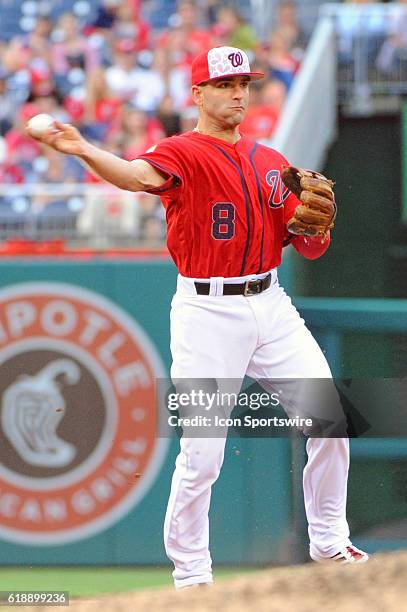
x: 229, y: 215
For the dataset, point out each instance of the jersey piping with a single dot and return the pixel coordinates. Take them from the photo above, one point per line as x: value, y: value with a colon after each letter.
x: 261, y: 200
x: 247, y: 201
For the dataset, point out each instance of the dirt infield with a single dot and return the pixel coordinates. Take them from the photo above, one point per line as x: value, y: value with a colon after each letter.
x: 379, y: 586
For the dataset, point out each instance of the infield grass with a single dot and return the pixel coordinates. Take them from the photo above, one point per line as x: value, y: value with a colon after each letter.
x: 93, y: 581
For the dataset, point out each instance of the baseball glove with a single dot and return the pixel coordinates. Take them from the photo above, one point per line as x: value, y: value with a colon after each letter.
x: 316, y: 215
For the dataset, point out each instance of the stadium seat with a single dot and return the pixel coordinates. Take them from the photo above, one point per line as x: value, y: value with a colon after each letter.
x: 15, y: 217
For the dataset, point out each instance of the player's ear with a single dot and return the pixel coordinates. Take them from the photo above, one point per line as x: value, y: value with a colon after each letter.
x: 197, y: 95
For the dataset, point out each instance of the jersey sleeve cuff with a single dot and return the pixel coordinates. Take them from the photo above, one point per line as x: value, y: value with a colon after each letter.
x: 172, y: 182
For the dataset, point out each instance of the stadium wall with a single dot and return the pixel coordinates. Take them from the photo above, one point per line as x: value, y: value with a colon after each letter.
x: 40, y: 300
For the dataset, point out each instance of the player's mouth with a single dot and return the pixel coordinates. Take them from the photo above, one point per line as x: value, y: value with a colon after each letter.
x: 237, y: 108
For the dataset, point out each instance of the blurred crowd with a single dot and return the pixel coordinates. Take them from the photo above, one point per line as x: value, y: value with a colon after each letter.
x: 123, y: 78
x: 125, y: 84
x: 382, y: 38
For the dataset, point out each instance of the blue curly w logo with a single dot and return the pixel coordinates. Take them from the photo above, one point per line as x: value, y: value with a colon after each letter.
x: 236, y: 59
x: 277, y: 196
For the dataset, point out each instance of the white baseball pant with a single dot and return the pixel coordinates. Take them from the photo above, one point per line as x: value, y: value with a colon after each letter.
x: 227, y: 337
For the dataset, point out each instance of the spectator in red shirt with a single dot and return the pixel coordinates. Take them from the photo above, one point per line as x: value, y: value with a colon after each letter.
x: 128, y: 24
x: 21, y: 148
x: 10, y: 174
x: 264, y: 111
x: 42, y: 82
x: 102, y: 106
x: 196, y: 40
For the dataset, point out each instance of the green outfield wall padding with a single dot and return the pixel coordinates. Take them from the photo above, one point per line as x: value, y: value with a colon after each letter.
x: 257, y: 514
x: 251, y: 507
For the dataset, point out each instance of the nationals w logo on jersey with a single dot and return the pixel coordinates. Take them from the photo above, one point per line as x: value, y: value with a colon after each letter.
x: 236, y: 59
x: 78, y: 419
x: 279, y: 193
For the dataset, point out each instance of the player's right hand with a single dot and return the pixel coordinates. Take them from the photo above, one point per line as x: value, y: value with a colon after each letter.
x: 63, y: 137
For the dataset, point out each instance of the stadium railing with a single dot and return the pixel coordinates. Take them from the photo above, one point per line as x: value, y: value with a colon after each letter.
x: 371, y: 44
x: 357, y: 59
x: 92, y: 216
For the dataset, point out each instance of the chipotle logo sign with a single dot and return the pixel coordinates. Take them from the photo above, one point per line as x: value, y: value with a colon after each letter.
x: 78, y: 413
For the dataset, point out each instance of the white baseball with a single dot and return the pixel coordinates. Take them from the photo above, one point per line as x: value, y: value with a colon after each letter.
x: 40, y: 124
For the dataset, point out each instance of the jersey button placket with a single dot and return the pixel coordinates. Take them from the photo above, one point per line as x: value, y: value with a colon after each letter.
x: 254, y: 205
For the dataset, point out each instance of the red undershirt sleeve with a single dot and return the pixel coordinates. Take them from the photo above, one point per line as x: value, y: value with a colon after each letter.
x: 311, y: 247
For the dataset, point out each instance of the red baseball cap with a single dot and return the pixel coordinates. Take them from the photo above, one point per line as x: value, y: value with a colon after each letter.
x: 221, y: 62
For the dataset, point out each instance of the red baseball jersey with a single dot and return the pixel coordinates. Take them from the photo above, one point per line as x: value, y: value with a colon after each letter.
x: 226, y: 205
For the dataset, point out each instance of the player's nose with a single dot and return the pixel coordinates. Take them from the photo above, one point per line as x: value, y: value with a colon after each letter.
x: 238, y: 92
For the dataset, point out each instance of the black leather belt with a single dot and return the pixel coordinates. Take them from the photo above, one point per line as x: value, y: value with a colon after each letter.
x: 252, y: 287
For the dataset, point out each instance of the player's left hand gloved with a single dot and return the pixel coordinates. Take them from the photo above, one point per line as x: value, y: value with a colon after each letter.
x: 316, y: 215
